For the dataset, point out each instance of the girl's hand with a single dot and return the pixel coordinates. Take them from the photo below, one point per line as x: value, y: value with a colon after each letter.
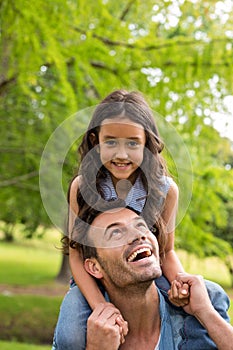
x: 123, y: 325
x: 179, y: 293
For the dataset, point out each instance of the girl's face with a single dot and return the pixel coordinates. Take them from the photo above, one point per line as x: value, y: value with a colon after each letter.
x: 121, y: 143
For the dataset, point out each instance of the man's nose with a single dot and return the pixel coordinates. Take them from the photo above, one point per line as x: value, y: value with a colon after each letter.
x: 136, y: 235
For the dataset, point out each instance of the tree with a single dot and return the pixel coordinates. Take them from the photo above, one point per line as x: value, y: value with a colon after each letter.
x: 61, y: 57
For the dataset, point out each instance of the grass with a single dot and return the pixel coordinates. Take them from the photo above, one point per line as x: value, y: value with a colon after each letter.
x: 4, y: 345
x: 30, y: 262
x: 211, y: 268
x: 25, y: 265
x: 30, y: 319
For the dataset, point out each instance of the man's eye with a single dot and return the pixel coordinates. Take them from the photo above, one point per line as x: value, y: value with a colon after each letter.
x: 116, y: 234
x: 142, y: 227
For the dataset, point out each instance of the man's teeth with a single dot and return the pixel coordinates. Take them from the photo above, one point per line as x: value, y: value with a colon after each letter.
x: 133, y: 256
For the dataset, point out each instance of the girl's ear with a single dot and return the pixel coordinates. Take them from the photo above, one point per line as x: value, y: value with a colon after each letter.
x: 93, y: 139
x: 93, y: 268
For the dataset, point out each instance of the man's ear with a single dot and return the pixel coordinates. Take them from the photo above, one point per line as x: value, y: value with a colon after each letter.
x: 93, y: 268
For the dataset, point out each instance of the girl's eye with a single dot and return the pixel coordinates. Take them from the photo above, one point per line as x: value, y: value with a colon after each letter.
x: 132, y: 144
x: 110, y: 142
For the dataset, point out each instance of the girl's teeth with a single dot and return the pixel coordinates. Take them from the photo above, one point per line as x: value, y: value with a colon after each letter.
x: 121, y: 165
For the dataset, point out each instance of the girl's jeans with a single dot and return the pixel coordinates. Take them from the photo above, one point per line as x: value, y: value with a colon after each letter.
x: 70, y: 332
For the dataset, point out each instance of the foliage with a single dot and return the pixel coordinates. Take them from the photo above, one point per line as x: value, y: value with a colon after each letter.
x: 62, y: 56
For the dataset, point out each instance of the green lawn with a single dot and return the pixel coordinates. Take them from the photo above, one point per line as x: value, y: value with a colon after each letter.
x: 30, y: 262
x: 4, y: 345
x: 30, y: 319
x: 210, y: 268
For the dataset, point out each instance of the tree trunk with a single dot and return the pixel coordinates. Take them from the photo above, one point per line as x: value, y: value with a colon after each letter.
x: 64, y: 273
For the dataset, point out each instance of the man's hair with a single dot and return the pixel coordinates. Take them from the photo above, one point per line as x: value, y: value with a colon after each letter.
x: 81, y: 241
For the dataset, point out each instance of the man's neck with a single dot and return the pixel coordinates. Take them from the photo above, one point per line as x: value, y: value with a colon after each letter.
x: 141, y: 310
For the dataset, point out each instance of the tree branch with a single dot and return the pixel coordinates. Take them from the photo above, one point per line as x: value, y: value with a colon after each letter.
x: 127, y: 9
x: 166, y: 44
x: 101, y: 65
x: 5, y: 83
x: 17, y: 179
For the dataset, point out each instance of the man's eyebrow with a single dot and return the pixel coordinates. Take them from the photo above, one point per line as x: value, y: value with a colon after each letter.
x: 110, y: 226
x: 137, y: 218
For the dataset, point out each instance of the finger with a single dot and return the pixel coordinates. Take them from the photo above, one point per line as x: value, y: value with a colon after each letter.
x: 175, y: 290
x: 184, y: 291
x: 123, y: 324
x: 172, y: 293
x: 122, y: 337
x: 97, y: 311
x: 104, y: 311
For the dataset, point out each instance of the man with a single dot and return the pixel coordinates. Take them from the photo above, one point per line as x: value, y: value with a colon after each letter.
x: 123, y: 254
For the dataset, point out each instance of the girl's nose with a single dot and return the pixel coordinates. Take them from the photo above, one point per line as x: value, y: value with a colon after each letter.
x: 121, y: 152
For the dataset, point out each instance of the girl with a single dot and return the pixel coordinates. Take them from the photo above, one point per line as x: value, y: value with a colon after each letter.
x: 120, y: 159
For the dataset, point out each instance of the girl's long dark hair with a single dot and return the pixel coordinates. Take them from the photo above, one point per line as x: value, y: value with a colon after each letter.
x: 133, y: 106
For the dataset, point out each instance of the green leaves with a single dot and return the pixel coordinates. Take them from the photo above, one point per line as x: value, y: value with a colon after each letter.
x: 60, y: 57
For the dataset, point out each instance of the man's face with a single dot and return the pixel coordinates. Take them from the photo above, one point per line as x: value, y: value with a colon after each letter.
x: 131, y: 252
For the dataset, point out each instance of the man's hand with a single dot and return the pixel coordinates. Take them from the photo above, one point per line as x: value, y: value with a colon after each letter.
x: 106, y: 328
x: 199, y: 301
x: 179, y: 293
x: 200, y: 306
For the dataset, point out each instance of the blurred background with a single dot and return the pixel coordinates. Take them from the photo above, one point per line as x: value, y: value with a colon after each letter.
x: 63, y: 56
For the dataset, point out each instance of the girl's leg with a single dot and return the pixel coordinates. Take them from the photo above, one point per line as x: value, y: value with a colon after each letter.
x: 70, y: 332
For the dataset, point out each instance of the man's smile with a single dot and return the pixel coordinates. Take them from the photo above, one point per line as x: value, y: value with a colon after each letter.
x: 139, y: 254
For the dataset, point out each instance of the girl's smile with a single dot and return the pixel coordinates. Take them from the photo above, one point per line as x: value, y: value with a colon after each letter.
x: 121, y: 144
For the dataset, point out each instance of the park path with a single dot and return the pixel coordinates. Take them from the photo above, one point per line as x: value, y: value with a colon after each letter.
x: 56, y: 289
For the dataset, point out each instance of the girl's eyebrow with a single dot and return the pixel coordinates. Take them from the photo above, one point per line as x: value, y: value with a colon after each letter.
x: 127, y: 138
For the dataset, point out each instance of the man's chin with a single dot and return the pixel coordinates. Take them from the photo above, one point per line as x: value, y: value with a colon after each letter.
x: 152, y: 276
